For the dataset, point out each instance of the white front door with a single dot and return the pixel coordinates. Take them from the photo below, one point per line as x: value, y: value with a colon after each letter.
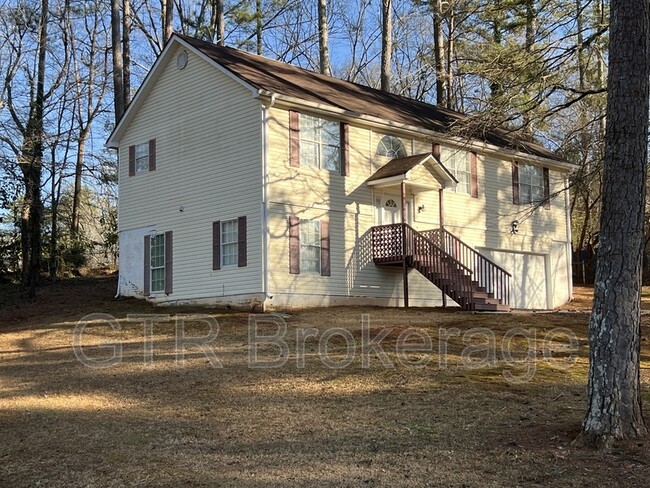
x: 389, y: 210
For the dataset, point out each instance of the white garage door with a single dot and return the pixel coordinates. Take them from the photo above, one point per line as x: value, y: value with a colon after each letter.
x: 528, y: 287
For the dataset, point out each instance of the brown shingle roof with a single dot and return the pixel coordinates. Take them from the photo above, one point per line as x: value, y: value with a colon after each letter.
x: 397, y: 167
x: 285, y: 79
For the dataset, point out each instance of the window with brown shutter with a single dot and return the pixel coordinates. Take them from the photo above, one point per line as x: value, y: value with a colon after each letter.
x: 152, y: 155
x: 229, y: 243
x: 325, y: 266
x: 142, y: 157
x: 345, y: 149
x: 547, y: 189
x: 515, y: 183
x: 216, y: 245
x: 147, y: 265
x: 294, y: 138
x: 241, y: 236
x: 132, y: 160
x: 169, y: 261
x: 473, y: 175
x: 294, y: 245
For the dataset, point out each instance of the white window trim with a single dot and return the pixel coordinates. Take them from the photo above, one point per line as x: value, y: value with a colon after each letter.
x: 450, y: 159
x: 152, y: 267
x: 224, y: 244
x: 319, y: 144
x: 382, y: 145
x: 303, y: 225
x: 144, y: 147
x: 529, y: 183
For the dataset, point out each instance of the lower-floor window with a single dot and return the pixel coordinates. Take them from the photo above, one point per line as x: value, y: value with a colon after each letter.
x: 158, y: 263
x: 229, y: 242
x: 310, y: 248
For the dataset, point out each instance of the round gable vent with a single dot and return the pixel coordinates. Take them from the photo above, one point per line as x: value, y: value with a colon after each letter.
x: 181, y: 60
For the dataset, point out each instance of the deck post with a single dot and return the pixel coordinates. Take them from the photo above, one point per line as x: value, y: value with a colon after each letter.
x: 404, y: 247
x: 442, y: 237
x: 441, y: 207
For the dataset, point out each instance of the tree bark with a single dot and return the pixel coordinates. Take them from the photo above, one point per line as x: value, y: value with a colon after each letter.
x: 439, y: 53
x: 614, y: 402
x: 126, y: 48
x: 31, y: 165
x: 218, y: 23
x: 323, y: 35
x: 258, y: 25
x: 168, y: 22
x: 116, y: 49
x: 386, y: 43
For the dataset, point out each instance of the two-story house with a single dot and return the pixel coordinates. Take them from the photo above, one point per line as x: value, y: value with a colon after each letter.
x: 247, y: 182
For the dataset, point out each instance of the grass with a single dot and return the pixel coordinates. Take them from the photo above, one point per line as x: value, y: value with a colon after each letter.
x: 454, y: 422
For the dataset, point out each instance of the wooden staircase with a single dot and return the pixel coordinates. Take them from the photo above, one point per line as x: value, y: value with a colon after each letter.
x: 458, y: 270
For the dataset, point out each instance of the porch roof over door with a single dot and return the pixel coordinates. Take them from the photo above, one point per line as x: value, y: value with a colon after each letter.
x: 410, y: 171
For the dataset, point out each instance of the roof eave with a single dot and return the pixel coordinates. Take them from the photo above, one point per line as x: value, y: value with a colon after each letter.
x: 480, y: 146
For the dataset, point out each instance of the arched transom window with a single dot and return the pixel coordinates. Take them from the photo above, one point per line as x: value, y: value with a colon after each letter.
x: 391, y: 146
x: 390, y: 203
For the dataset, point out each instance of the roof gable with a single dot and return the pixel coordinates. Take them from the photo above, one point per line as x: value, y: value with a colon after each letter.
x: 403, y: 169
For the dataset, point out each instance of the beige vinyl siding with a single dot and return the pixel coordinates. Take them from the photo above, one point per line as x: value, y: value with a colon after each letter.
x: 348, y: 203
x: 209, y: 167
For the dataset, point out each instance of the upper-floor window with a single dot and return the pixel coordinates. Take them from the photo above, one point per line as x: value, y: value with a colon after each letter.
x: 320, y: 143
x: 391, y: 147
x: 142, y: 157
x: 458, y: 163
x: 531, y: 184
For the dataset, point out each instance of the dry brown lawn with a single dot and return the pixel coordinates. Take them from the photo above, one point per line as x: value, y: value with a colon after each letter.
x: 63, y: 424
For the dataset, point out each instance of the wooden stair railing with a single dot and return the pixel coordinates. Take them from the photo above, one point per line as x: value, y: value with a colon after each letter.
x: 489, y: 275
x: 398, y: 243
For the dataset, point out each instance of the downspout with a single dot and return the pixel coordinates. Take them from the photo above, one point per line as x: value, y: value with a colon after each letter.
x: 569, y: 237
x: 267, y: 100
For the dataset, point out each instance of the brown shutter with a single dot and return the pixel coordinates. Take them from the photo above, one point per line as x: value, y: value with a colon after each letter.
x: 473, y: 183
x: 152, y: 155
x: 345, y: 149
x: 147, y: 265
x: 294, y: 138
x: 515, y: 183
x: 325, y: 268
x: 547, y: 189
x: 294, y: 245
x: 216, y: 245
x: 435, y: 150
x: 241, y: 242
x: 131, y: 160
x: 169, y: 262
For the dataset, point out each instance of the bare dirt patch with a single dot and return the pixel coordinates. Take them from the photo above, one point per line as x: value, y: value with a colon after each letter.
x: 448, y: 424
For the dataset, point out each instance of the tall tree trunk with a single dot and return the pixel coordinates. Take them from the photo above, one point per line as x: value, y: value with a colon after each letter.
x: 496, y: 90
x: 78, y: 173
x: 258, y: 25
x: 218, y: 26
x: 116, y: 48
x: 614, y: 401
x: 126, y: 47
x: 439, y: 53
x: 386, y: 43
x: 323, y: 41
x: 168, y: 20
x: 450, y: 58
x: 31, y: 165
